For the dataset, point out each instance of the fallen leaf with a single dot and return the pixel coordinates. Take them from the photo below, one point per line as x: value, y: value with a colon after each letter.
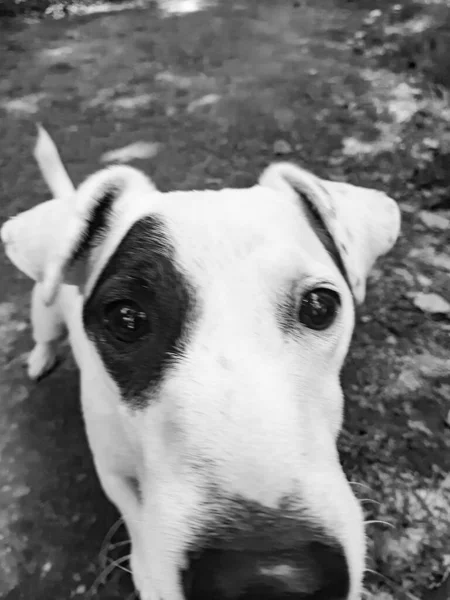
x: 431, y: 257
x: 402, y: 546
x: 131, y: 152
x: 406, y: 275
x: 431, y: 143
x: 441, y: 261
x: 431, y: 303
x: 207, y: 100
x: 424, y: 280
x: 419, y: 426
x: 282, y: 147
x: 433, y: 367
x: 373, y: 16
x: 132, y: 102
x: 434, y: 221
x: 407, y: 381
x: 26, y: 104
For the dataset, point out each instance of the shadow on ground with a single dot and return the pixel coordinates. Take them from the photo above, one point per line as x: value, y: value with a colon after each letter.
x: 213, y: 96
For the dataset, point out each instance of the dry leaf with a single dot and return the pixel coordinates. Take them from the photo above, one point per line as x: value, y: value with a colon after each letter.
x: 282, y: 147
x: 419, y: 426
x: 431, y: 257
x: 434, y: 221
x: 131, y: 152
x: 424, y: 280
x: 431, y: 303
x: 207, y: 100
x: 26, y: 105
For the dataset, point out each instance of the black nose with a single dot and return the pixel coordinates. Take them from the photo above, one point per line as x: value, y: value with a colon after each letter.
x: 313, y: 571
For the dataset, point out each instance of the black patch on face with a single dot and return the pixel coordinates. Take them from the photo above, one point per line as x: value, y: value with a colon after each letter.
x: 142, y: 270
x: 97, y: 223
x: 266, y: 554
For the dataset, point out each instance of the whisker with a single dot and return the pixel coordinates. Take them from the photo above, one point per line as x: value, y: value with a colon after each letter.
x: 373, y: 572
x: 369, y: 500
x: 118, y: 544
x: 106, y: 572
x: 118, y: 563
x: 360, y: 484
x: 108, y: 537
x: 374, y: 522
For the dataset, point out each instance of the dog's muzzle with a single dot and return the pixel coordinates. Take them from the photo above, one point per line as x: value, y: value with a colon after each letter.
x: 245, y: 568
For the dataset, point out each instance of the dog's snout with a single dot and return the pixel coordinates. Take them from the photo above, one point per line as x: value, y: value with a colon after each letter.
x: 312, y: 571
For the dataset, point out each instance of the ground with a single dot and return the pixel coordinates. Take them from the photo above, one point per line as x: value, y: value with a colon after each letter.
x: 357, y: 91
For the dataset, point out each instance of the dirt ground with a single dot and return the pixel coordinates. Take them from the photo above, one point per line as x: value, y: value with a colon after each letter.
x: 357, y: 91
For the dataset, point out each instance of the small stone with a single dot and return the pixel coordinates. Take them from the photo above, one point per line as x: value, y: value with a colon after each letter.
x: 281, y: 147
x: 81, y: 589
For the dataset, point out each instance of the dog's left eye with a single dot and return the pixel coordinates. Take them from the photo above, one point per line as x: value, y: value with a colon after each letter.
x: 126, y: 320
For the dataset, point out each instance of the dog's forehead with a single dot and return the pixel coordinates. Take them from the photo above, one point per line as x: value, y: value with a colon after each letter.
x: 241, y: 218
x: 213, y: 232
x: 252, y: 228
x: 236, y: 225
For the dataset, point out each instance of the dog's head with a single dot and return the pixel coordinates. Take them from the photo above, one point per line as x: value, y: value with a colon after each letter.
x: 216, y: 326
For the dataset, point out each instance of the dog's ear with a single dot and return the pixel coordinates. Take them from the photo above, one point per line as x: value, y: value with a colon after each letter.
x: 363, y: 223
x: 98, y: 205
x: 30, y: 236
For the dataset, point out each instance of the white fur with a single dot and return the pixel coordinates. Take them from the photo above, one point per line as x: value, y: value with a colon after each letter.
x: 51, y: 166
x: 257, y: 410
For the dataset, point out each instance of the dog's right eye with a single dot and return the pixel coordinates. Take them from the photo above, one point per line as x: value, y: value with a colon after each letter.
x: 319, y: 308
x: 126, y: 320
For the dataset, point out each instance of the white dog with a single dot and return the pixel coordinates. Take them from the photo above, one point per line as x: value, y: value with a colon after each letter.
x: 210, y: 328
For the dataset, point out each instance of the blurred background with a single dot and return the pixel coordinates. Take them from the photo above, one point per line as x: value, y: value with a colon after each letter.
x: 206, y: 94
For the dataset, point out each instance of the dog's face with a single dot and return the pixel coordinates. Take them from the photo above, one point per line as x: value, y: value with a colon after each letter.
x: 216, y: 326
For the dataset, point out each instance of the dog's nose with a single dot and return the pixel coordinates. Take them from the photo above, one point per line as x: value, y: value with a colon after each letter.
x: 313, y: 571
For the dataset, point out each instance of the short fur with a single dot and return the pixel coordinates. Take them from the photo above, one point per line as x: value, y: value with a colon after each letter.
x: 225, y: 404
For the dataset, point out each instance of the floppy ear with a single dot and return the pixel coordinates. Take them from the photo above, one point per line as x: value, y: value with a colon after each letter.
x: 29, y: 238
x: 363, y: 223
x: 98, y: 204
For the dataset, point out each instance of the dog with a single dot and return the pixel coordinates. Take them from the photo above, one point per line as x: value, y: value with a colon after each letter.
x: 210, y: 328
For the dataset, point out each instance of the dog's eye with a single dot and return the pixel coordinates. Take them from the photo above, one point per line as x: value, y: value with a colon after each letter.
x: 319, y: 308
x: 126, y: 320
